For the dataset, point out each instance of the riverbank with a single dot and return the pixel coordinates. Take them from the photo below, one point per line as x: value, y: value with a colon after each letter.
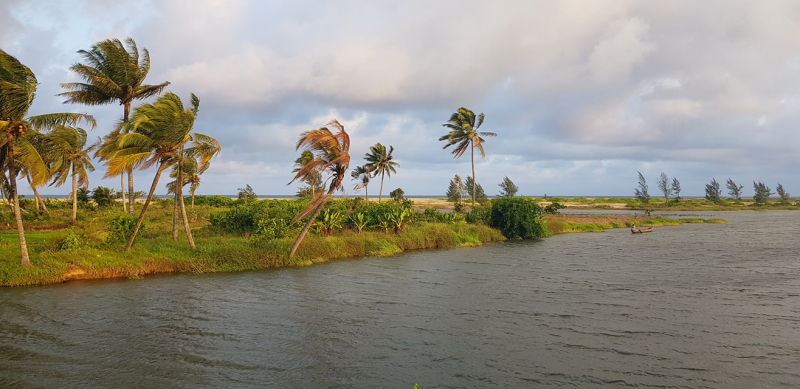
x: 61, y: 253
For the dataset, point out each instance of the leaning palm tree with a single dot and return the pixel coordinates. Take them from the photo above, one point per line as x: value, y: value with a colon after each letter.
x: 21, y: 133
x: 379, y: 161
x: 464, y: 134
x: 195, y: 161
x: 332, y: 154
x: 74, y: 161
x: 113, y: 74
x: 155, y: 136
x: 361, y: 176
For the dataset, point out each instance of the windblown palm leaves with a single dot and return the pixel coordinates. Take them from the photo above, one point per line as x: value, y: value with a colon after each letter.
x: 379, y: 161
x: 464, y: 134
x: 313, y: 179
x: 113, y: 73
x: 19, y: 134
x: 362, y: 177
x: 156, y: 136
x: 331, y: 150
x: 72, y: 160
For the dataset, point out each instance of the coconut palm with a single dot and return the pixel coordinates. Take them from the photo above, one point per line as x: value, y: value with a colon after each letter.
x: 361, y: 176
x: 331, y: 151
x: 113, y: 74
x: 379, y: 161
x: 464, y: 134
x: 156, y: 135
x: 195, y: 160
x: 20, y: 134
x: 74, y: 161
x: 314, y: 178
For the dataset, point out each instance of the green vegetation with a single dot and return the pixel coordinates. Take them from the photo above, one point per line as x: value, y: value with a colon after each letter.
x: 94, y: 248
x: 518, y: 218
x: 463, y: 126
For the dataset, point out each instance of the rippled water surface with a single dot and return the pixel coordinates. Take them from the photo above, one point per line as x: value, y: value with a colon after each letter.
x: 692, y: 306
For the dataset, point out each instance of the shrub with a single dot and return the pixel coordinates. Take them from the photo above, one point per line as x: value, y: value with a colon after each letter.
x: 121, y: 227
x: 103, y: 196
x: 218, y: 201
x: 73, y: 241
x: 518, y: 218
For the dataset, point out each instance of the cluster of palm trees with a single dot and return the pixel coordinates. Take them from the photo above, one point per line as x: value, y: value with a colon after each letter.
x: 379, y: 162
x: 51, y: 148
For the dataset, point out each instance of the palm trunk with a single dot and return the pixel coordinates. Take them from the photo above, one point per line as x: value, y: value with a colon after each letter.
x: 474, y: 179
x: 12, y: 182
x: 366, y: 192
x: 179, y: 190
x: 175, y: 218
x: 35, y: 197
x: 192, y: 199
x: 74, y: 196
x: 304, y: 231
x: 146, y: 204
x: 131, y: 198
x: 122, y: 192
x: 380, y: 193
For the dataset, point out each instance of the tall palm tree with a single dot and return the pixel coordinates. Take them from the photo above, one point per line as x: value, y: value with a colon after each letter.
x: 113, y: 74
x: 332, y: 154
x: 190, y: 177
x: 74, y: 161
x: 19, y: 134
x: 156, y: 135
x: 361, y: 176
x: 464, y: 134
x: 379, y: 161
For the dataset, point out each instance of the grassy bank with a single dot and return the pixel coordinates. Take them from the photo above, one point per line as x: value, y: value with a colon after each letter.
x: 88, y: 250
x: 85, y: 251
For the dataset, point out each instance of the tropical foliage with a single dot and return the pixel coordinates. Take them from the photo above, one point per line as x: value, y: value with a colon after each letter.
x: 463, y: 135
x: 331, y: 149
x: 380, y: 162
x: 22, y: 134
x: 113, y: 73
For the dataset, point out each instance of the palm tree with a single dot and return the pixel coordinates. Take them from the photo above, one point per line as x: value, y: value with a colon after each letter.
x: 156, y: 135
x: 204, y: 148
x: 113, y: 74
x: 464, y: 134
x: 361, y: 176
x: 380, y: 162
x: 74, y: 161
x: 313, y: 177
x: 21, y: 133
x: 332, y: 154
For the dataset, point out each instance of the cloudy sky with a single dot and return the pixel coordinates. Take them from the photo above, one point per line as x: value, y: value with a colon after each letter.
x: 582, y: 94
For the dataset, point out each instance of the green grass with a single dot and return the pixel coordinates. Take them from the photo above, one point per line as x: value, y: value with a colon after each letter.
x: 156, y: 252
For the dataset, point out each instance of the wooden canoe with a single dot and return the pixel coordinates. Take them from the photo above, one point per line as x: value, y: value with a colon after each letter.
x: 641, y: 230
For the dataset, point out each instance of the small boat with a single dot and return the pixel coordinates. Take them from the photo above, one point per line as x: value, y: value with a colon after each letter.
x: 641, y: 230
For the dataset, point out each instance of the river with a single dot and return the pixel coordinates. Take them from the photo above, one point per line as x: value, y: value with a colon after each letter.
x: 690, y: 306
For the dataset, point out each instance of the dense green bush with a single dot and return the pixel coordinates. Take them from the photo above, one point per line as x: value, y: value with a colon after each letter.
x: 121, y: 227
x: 518, y: 218
x: 218, y: 201
x: 246, y: 218
x: 103, y: 196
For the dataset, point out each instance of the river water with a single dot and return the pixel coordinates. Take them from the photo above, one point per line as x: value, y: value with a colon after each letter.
x: 691, y: 306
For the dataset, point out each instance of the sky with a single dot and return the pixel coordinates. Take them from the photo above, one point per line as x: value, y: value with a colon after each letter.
x: 582, y: 94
